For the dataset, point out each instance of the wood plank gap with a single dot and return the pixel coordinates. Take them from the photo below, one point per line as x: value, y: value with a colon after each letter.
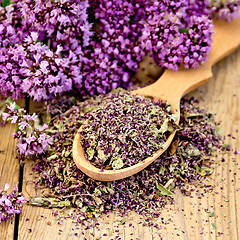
x: 20, y: 181
x: 20, y: 188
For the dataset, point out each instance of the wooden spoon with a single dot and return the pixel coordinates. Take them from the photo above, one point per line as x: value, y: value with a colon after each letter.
x: 171, y: 87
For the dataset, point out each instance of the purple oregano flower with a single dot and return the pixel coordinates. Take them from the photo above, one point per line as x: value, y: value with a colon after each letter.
x: 10, y: 203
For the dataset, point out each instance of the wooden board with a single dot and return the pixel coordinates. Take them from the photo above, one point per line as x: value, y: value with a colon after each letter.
x: 9, y: 172
x: 191, y: 217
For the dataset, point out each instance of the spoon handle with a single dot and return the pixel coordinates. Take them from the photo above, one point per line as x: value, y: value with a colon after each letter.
x: 172, y: 85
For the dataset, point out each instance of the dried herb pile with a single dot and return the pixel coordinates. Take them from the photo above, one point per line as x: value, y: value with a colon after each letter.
x: 188, y: 160
x: 125, y: 129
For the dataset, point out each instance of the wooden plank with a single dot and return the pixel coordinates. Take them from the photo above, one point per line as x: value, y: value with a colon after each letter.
x: 191, y: 217
x: 9, y: 172
x: 222, y: 97
x: 9, y: 169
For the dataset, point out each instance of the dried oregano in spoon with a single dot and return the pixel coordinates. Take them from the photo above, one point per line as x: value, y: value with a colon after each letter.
x: 125, y: 129
x: 188, y: 160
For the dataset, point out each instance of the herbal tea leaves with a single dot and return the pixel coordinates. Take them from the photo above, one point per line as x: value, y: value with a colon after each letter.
x: 125, y: 129
x: 163, y: 190
x: 49, y: 202
x: 139, y: 192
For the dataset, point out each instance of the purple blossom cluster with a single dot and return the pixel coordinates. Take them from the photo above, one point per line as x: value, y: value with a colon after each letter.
x: 32, y: 140
x: 48, y: 58
x: 12, y: 30
x: 58, y: 22
x: 225, y: 9
x: 33, y: 68
x: 115, y: 48
x: 174, y: 36
x: 90, y: 47
x: 10, y: 204
x: 102, y: 73
x: 11, y: 76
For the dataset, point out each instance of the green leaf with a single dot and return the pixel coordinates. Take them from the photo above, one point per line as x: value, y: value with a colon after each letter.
x: 192, y: 152
x: 101, y: 155
x: 6, y: 3
x: 218, y: 130
x: 169, y: 182
x: 214, y: 225
x: 10, y: 101
x: 123, y: 221
x: 40, y: 42
x: 49, y: 202
x: 133, y: 134
x: 79, y: 203
x: 172, y: 167
x: 204, y: 171
x: 97, y: 200
x: 226, y: 146
x: 192, y: 115
x: 163, y: 190
x: 164, y: 127
x: 90, y: 153
x: 97, y: 192
x: 211, y: 214
x: 162, y: 170
x: 84, y: 209
x: 67, y: 153
x: 183, y: 30
x: 52, y: 157
x: 117, y: 164
x: 96, y: 214
x: 59, y: 126
x: 174, y: 117
x: 89, y: 108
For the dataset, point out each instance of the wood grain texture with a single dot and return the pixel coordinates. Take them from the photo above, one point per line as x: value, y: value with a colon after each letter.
x: 9, y: 172
x: 9, y: 169
x: 187, y: 219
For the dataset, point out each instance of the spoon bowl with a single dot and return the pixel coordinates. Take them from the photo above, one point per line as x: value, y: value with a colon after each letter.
x: 171, y: 86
